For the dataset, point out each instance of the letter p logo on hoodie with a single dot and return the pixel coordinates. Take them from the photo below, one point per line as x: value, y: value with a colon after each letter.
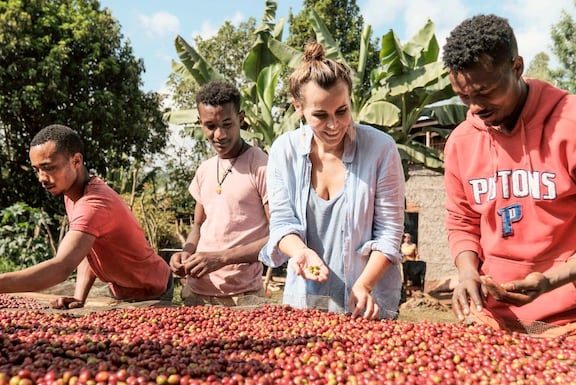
x: 510, y: 214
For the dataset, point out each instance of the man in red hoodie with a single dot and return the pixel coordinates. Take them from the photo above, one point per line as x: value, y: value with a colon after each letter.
x: 510, y: 181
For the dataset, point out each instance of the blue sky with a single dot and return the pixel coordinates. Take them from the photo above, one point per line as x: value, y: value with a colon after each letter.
x: 152, y: 25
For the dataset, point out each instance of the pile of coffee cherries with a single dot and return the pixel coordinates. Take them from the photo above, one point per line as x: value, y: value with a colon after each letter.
x: 8, y: 301
x: 272, y: 344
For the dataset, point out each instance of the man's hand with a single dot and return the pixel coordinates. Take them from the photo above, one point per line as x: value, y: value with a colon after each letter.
x: 519, y: 292
x: 467, y: 293
x: 201, y: 263
x: 178, y: 261
x: 66, y: 303
x: 307, y: 264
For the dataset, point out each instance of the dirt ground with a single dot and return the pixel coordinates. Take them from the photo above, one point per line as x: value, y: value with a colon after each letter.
x: 418, y: 306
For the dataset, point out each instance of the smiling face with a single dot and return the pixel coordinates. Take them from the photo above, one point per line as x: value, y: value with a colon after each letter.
x: 494, y: 94
x: 327, y: 111
x: 56, y: 171
x: 221, y: 124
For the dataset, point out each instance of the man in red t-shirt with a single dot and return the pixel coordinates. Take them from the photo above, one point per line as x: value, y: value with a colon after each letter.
x: 104, y: 241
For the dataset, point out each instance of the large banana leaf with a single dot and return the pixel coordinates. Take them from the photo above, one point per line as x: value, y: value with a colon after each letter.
x: 194, y: 63
x: 392, y: 57
x: 260, y: 56
x: 289, y: 121
x: 419, y: 77
x: 267, y: 83
x: 447, y: 114
x: 365, y: 37
x: 417, y: 152
x: 379, y: 114
x: 423, y: 45
x: 287, y: 55
x: 185, y: 117
x: 260, y: 103
x: 324, y: 37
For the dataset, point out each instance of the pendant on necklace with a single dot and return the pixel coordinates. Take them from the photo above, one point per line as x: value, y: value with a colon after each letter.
x: 227, y: 171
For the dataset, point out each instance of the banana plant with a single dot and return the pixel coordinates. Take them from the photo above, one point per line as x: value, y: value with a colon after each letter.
x: 261, y: 70
x: 405, y: 88
x: 413, y: 79
x: 378, y: 112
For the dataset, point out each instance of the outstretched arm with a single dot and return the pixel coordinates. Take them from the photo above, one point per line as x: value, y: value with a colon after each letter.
x: 85, y: 278
x: 72, y: 250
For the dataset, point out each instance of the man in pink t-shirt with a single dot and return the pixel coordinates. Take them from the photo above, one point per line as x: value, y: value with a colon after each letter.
x: 104, y: 241
x: 220, y: 256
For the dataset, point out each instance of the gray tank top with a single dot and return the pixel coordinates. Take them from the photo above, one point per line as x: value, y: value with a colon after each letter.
x: 324, y: 233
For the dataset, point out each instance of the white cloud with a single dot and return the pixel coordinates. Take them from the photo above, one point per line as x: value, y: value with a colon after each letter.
x: 532, y: 22
x: 160, y: 24
x: 406, y: 17
x: 531, y: 42
x: 208, y: 29
x: 237, y: 18
x: 530, y: 19
x: 378, y: 13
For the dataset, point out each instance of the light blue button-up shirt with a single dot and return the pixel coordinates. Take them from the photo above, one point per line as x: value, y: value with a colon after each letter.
x: 374, y: 192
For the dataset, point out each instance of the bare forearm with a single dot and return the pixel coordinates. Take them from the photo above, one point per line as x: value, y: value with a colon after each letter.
x: 562, y: 274
x: 467, y: 263
x: 377, y: 265
x: 192, y: 240
x: 245, y: 253
x: 38, y: 277
x: 290, y: 244
x: 84, y: 280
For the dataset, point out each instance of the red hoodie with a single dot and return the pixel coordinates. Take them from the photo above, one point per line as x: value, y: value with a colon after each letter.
x: 511, y: 198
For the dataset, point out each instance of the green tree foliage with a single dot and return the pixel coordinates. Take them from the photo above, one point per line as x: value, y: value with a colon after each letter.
x: 64, y: 61
x: 413, y: 80
x: 409, y: 86
x: 25, y: 237
x: 539, y: 68
x: 261, y: 72
x: 564, y: 47
x: 226, y: 51
x: 343, y: 20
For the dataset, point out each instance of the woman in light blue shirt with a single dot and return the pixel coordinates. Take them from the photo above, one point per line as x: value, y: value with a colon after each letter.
x: 336, y: 197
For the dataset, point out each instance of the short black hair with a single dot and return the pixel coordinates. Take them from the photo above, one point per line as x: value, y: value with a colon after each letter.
x: 219, y: 92
x: 67, y: 140
x: 481, y: 35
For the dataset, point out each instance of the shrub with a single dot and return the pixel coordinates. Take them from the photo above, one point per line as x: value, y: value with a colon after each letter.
x: 25, y: 238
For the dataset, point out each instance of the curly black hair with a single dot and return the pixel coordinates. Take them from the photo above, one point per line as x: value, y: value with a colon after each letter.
x: 67, y: 140
x: 481, y: 35
x: 217, y: 93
